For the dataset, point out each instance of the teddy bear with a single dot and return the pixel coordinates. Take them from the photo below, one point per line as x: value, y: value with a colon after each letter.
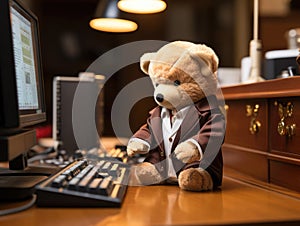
x: 182, y: 138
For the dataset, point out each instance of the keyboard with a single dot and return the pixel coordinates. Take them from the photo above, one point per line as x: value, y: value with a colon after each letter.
x: 84, y: 183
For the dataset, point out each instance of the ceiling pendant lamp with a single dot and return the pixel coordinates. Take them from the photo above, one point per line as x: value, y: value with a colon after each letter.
x: 142, y: 6
x: 107, y: 18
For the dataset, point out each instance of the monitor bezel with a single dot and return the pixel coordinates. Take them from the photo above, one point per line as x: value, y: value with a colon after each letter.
x: 9, y: 115
x: 32, y: 117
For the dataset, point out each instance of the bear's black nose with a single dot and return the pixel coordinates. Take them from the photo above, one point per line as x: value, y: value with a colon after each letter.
x: 160, y: 97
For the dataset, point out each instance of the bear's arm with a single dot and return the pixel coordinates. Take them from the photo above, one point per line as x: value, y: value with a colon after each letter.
x: 143, y: 134
x: 197, y: 145
x: 212, y: 130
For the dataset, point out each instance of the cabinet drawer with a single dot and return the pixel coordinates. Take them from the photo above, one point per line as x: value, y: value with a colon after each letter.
x: 285, y: 174
x: 285, y: 125
x: 246, y: 161
x: 239, y: 123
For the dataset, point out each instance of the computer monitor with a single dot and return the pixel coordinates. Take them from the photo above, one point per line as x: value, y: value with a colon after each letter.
x: 22, y: 97
x: 22, y: 104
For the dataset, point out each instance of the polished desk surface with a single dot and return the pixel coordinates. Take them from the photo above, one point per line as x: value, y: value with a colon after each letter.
x: 235, y: 203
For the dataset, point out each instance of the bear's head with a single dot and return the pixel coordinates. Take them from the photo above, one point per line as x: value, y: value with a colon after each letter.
x: 182, y: 73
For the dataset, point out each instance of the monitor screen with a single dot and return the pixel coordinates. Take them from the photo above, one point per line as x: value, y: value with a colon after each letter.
x: 26, y: 51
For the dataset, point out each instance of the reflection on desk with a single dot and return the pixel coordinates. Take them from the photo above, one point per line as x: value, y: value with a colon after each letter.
x: 235, y: 203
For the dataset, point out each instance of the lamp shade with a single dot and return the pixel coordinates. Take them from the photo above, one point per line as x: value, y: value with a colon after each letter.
x: 107, y: 18
x: 142, y: 6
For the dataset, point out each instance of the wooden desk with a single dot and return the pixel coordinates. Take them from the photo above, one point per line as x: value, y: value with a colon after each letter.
x: 235, y: 203
x: 263, y: 130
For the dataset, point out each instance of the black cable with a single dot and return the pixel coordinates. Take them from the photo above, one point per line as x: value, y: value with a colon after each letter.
x: 26, y: 206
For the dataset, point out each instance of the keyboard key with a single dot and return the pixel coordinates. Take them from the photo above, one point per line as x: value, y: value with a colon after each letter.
x: 106, y: 167
x: 59, y: 181
x: 106, y: 186
x: 73, y: 183
x: 93, y: 186
x: 115, y: 191
x: 83, y: 184
x: 114, y: 170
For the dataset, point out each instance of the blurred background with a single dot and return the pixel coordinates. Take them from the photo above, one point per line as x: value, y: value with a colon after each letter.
x: 69, y: 45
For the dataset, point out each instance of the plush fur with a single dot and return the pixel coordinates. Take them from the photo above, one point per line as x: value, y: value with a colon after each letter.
x: 185, y: 60
x: 182, y: 73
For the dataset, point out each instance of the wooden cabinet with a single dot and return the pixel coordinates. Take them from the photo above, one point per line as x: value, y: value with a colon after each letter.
x: 262, y: 139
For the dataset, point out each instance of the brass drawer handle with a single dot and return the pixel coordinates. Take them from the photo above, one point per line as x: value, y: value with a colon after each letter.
x: 252, y: 111
x: 285, y: 110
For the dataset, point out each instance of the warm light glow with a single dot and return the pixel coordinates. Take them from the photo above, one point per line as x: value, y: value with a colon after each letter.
x: 113, y: 25
x: 142, y: 6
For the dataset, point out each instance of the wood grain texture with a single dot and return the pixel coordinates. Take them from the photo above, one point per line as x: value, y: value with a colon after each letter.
x: 235, y: 203
x: 266, y: 156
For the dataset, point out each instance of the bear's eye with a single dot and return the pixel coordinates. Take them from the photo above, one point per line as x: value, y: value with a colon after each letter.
x: 156, y: 84
x: 176, y: 83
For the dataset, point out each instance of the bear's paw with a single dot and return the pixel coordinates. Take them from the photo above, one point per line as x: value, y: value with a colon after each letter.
x: 146, y: 174
x: 195, y: 179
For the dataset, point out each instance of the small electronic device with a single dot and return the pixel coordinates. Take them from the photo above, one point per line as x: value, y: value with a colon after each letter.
x: 77, y: 112
x: 277, y: 61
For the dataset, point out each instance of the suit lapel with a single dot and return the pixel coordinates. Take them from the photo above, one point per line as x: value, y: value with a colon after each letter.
x: 156, y: 125
x: 189, y: 123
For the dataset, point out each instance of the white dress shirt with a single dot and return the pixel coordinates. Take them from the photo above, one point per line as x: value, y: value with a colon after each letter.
x: 170, y: 125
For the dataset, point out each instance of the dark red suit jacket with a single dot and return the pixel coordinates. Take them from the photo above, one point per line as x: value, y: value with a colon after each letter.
x: 205, y: 123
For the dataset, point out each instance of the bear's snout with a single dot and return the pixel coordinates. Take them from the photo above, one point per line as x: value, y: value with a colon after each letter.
x: 159, y: 97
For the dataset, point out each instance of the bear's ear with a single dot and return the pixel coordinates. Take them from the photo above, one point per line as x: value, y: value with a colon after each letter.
x: 208, y: 55
x: 145, y: 61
